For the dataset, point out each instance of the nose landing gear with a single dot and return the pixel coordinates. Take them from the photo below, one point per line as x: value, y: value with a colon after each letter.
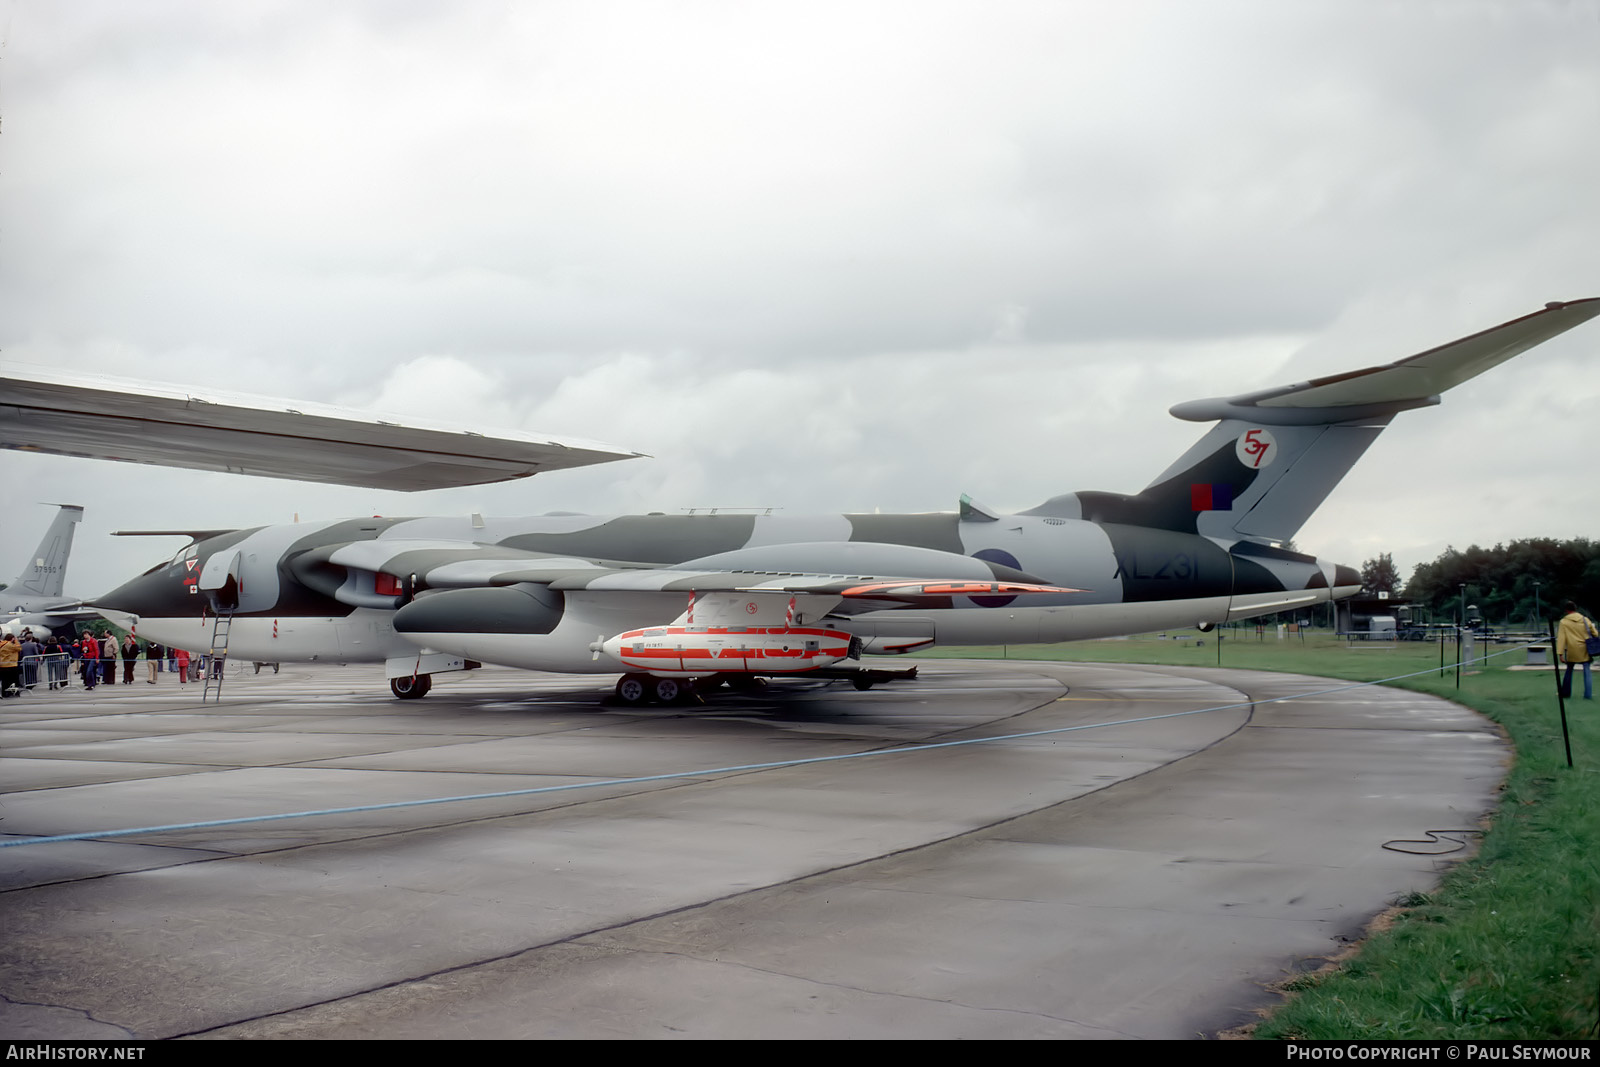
x: 411, y: 686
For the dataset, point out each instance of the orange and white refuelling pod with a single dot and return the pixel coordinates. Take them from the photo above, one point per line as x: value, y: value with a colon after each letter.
x: 688, y: 650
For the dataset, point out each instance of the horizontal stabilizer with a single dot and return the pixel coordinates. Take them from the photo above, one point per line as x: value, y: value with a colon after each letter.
x: 103, y: 418
x: 1411, y: 382
x: 1276, y: 454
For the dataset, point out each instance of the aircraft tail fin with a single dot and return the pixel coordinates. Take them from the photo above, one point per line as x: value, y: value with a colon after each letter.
x: 1276, y: 454
x: 46, y: 573
x: 1256, y: 480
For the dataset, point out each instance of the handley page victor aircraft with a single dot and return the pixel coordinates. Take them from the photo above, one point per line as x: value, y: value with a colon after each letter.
x: 665, y: 600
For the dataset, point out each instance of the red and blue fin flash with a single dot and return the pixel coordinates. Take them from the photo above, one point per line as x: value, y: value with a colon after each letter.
x: 1216, y: 496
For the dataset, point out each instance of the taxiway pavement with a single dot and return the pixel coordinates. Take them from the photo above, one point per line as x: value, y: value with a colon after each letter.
x: 1139, y: 880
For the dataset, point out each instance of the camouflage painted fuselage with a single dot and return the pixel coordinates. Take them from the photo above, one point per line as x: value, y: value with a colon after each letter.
x: 537, y: 592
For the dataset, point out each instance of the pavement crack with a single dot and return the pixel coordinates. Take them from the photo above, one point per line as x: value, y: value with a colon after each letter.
x: 81, y: 1013
x: 895, y: 994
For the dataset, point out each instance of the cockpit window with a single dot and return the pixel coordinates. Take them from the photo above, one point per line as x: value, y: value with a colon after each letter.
x: 179, y: 558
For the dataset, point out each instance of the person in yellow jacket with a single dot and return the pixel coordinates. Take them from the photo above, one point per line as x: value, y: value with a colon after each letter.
x: 1572, y: 636
x: 10, y: 673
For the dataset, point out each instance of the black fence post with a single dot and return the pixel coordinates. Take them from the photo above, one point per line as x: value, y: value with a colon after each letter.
x: 1561, y: 698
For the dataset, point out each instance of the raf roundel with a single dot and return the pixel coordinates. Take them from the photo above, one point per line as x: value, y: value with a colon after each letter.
x: 1256, y: 448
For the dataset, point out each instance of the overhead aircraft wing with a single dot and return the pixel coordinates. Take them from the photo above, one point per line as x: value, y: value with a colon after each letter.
x: 1411, y: 382
x: 105, y: 418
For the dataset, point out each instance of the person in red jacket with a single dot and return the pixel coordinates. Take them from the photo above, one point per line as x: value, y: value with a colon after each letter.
x: 89, y: 651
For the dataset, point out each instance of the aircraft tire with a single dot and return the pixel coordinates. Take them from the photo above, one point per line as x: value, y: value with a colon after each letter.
x: 861, y: 682
x: 411, y: 687
x: 633, y: 689
x: 668, y: 690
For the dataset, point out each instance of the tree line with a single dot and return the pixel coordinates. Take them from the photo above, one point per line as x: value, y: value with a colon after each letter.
x: 1516, y: 585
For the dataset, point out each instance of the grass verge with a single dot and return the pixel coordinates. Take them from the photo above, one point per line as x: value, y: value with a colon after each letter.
x: 1508, y: 947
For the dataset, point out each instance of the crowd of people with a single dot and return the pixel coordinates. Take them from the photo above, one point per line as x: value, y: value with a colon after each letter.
x: 29, y: 662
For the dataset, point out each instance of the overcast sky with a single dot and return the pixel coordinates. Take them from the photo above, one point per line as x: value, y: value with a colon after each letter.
x: 818, y: 256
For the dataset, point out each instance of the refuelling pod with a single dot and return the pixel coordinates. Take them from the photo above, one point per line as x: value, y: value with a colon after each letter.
x: 671, y: 651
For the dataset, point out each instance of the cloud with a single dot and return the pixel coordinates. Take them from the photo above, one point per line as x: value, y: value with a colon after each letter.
x: 443, y: 389
x: 823, y: 256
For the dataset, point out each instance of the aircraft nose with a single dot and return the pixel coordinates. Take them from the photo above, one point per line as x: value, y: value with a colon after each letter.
x: 146, y: 595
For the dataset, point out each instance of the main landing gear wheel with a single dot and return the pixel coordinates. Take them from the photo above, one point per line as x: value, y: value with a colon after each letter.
x: 411, y: 687
x: 632, y: 689
x: 636, y: 689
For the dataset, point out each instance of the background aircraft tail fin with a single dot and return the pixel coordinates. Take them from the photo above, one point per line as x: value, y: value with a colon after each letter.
x: 46, y: 572
x: 1276, y: 454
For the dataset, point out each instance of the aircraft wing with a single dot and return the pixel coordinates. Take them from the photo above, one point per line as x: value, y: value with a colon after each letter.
x: 56, y: 616
x: 53, y: 619
x: 899, y: 590
x: 104, y: 418
x: 439, y: 565
x: 1411, y: 382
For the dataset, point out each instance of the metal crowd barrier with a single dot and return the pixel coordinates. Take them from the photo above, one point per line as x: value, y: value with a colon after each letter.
x: 53, y: 671
x: 61, y: 670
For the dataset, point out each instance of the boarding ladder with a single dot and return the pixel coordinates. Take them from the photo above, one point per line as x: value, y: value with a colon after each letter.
x: 219, y: 655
